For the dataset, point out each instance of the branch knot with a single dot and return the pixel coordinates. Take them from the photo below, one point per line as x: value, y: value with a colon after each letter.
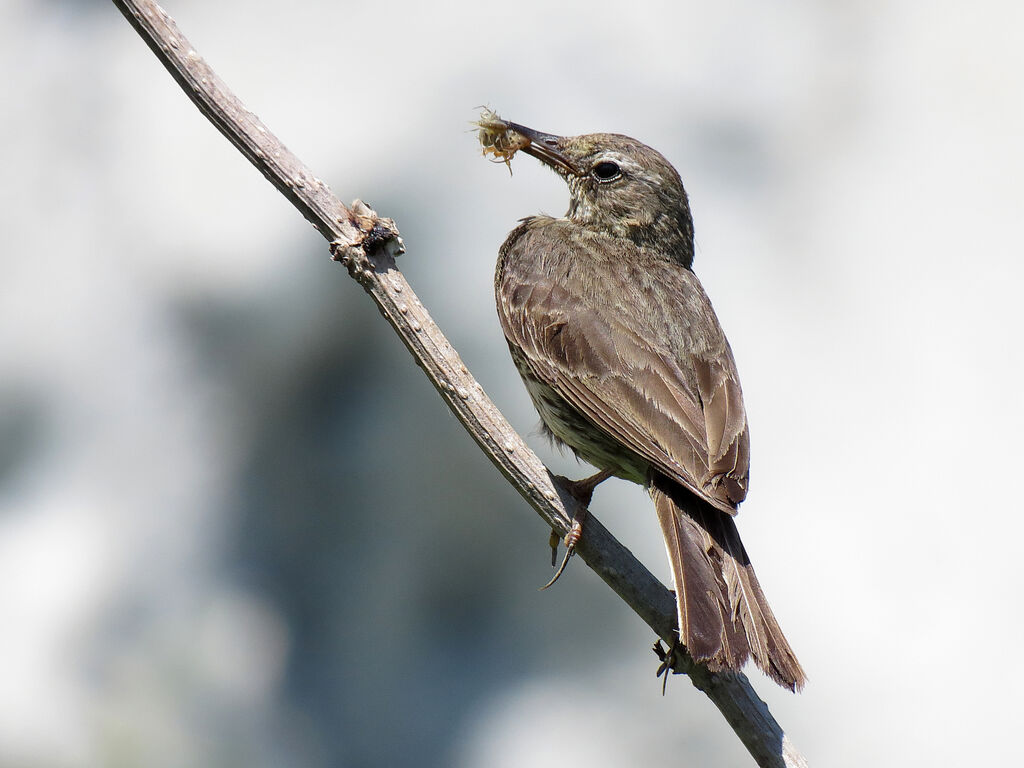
x: 373, y: 234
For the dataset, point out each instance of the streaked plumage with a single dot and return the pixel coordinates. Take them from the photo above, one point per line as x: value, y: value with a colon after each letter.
x: 627, y: 364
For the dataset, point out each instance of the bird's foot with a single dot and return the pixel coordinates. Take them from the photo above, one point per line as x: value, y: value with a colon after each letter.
x: 573, y: 536
x: 583, y: 492
x: 668, y: 660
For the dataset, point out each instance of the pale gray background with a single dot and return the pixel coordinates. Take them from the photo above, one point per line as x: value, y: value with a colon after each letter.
x: 237, y: 527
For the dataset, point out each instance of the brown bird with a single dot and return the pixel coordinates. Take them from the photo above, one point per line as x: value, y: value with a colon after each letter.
x: 627, y: 364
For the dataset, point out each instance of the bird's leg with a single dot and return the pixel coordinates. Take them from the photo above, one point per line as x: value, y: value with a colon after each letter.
x: 583, y: 492
x: 668, y: 660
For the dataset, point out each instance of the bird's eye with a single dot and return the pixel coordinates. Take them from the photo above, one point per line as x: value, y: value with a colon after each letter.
x: 605, y: 171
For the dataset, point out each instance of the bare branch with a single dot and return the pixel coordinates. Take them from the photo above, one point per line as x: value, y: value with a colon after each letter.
x: 367, y: 245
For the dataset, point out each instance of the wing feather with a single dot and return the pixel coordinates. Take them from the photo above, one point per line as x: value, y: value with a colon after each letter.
x: 650, y: 368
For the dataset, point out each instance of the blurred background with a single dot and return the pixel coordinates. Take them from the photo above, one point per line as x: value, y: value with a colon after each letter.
x: 237, y: 525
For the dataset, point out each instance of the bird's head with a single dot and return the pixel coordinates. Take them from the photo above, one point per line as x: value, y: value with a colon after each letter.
x: 618, y: 186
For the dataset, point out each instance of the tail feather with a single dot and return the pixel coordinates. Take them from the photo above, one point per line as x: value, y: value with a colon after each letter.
x: 724, y: 617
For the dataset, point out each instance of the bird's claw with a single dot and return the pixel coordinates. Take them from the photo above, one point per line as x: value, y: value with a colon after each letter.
x: 583, y: 492
x: 570, y: 541
x: 668, y: 660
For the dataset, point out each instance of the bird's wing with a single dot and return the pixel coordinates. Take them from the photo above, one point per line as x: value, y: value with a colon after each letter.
x: 648, y: 365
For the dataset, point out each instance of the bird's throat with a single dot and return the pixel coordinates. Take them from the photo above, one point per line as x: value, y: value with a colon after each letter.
x: 665, y: 234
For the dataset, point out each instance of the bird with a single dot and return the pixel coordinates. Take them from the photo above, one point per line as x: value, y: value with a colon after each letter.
x: 627, y: 364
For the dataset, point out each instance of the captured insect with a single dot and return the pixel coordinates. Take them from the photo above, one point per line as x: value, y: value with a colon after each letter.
x: 498, y: 138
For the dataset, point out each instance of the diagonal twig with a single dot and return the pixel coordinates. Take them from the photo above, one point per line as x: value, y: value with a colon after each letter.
x: 367, y: 244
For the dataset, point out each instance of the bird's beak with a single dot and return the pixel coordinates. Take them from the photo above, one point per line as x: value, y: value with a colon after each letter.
x: 545, y: 147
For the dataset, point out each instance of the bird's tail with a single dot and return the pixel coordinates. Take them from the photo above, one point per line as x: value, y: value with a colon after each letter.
x: 724, y: 617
